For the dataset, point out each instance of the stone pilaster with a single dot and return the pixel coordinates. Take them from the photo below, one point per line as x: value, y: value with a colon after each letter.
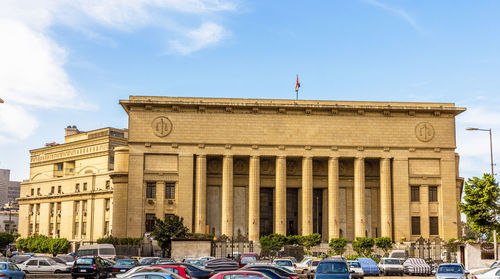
x: 254, y: 198
x: 280, y: 196
x: 385, y: 198
x: 201, y: 194
x: 333, y: 198
x: 160, y: 199
x: 359, y: 197
x: 424, y: 211
x: 400, y: 181
x: 307, y: 196
x: 227, y: 196
x: 447, y: 198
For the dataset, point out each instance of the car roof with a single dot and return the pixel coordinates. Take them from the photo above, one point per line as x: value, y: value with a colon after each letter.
x: 459, y: 264
x: 332, y: 261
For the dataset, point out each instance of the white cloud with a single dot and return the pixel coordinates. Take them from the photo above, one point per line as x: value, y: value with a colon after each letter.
x: 32, y: 64
x: 397, y: 12
x: 207, y: 35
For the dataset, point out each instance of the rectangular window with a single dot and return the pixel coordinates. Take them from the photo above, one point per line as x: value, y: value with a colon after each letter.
x: 52, y: 189
x: 433, y: 225
x: 77, y: 187
x: 150, y: 222
x: 51, y: 205
x: 77, y: 228
x: 415, y: 193
x: 433, y: 193
x: 415, y: 225
x: 84, y: 206
x: 108, y: 184
x: 51, y: 228
x: 32, y: 191
x: 77, y: 207
x: 38, y: 192
x: 85, y: 186
x: 151, y: 190
x: 59, y: 166
x: 170, y: 190
x: 59, y: 189
x: 106, y: 228
x: 84, y: 228
x: 108, y: 203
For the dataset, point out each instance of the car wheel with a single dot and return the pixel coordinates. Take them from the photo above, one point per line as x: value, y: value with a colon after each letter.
x: 57, y: 271
x: 97, y: 276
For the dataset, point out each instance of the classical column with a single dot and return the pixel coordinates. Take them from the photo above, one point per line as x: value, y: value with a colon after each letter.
x: 227, y: 196
x: 280, y: 196
x: 333, y: 198
x: 385, y: 198
x: 424, y: 211
x: 359, y: 197
x: 254, y: 198
x: 201, y: 194
x: 307, y: 196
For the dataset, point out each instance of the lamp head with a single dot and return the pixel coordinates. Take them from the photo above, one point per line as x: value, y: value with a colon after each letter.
x: 471, y: 129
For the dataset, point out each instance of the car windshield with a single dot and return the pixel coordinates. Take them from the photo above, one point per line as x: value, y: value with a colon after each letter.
x: 354, y: 264
x: 84, y: 261
x: 125, y: 262
x: 450, y: 269
x: 3, y: 266
x: 315, y: 263
x: 51, y: 261
x: 332, y: 267
x: 86, y: 252
x: 392, y: 261
x: 247, y: 260
x: 283, y: 262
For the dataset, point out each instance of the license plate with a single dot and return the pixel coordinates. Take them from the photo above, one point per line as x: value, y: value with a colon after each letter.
x: 83, y: 270
x: 122, y: 270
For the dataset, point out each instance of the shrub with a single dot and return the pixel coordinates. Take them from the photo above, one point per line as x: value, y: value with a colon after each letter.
x: 384, y: 243
x: 130, y: 241
x: 270, y: 244
x: 363, y: 246
x: 338, y: 245
x: 42, y: 244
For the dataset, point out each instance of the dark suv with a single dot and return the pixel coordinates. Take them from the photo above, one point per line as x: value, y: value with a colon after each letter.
x: 90, y: 267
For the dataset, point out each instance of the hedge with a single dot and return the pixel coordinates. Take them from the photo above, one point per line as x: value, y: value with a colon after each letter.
x: 42, y: 244
x: 130, y: 241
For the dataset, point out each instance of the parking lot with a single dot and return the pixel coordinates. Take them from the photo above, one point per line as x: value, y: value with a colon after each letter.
x: 68, y: 276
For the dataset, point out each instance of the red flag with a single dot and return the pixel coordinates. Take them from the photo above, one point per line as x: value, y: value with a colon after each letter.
x: 297, y: 85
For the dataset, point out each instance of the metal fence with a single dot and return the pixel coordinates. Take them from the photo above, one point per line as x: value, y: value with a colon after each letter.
x: 226, y: 246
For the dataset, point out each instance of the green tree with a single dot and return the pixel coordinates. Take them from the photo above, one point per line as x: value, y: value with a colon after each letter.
x: 271, y: 244
x: 5, y: 239
x: 165, y: 230
x: 311, y: 240
x: 481, y: 203
x: 337, y: 245
x: 384, y: 243
x: 363, y: 246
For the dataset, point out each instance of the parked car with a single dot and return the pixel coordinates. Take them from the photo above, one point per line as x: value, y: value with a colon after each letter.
x: 19, y: 259
x: 391, y: 266
x: 483, y: 269
x: 123, y: 265
x: 90, y: 267
x: 245, y: 259
x: 152, y: 275
x: 197, y: 262
x: 302, y: 266
x: 196, y: 271
x: 182, y: 271
x: 332, y: 269
x: 451, y: 271
x: 105, y: 251
x: 286, y: 263
x: 369, y: 266
x: 43, y: 265
x: 416, y: 266
x: 281, y: 271
x: 402, y: 255
x: 493, y: 273
x: 148, y: 260
x: 10, y: 270
x: 142, y: 269
x: 66, y: 259
x: 269, y: 273
x: 311, y: 270
x: 238, y: 274
x: 356, y: 270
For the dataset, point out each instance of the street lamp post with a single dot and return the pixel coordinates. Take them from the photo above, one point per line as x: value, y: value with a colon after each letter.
x: 493, y: 176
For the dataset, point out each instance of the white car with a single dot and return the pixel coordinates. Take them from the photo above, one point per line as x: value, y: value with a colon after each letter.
x: 357, y: 271
x: 480, y: 270
x: 391, y: 266
x: 493, y: 273
x: 43, y: 265
x: 303, y: 265
x: 286, y: 263
x: 311, y: 270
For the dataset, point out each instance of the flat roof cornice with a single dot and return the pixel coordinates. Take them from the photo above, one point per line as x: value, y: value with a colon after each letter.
x: 276, y: 103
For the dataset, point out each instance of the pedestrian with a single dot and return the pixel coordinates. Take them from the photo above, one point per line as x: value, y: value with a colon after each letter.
x: 9, y: 253
x: 54, y: 254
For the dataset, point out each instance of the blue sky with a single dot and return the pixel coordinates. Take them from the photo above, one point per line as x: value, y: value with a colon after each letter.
x: 70, y: 62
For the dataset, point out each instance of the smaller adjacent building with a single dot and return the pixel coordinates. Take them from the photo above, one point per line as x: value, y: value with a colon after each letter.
x: 69, y: 192
x: 9, y: 220
x: 9, y: 190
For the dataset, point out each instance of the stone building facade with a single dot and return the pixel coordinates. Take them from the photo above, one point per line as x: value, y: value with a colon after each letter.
x: 254, y: 167
x: 9, y: 190
x: 69, y: 192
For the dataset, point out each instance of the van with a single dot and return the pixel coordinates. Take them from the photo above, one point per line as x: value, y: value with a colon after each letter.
x: 401, y: 255
x: 105, y: 251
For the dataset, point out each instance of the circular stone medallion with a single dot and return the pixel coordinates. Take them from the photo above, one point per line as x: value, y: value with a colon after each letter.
x: 162, y: 126
x: 424, y: 131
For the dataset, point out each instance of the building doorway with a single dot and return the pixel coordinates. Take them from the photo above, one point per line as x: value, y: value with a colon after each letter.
x: 266, y: 211
x: 318, y: 211
x: 292, y: 211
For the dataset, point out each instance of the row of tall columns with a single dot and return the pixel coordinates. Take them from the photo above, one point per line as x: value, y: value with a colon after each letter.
x: 280, y: 196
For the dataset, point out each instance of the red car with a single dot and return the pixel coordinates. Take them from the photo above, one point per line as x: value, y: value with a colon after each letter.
x: 238, y: 273
x: 182, y: 271
x: 245, y: 259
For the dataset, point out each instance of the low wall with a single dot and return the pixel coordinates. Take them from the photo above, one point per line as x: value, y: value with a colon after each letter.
x: 190, y: 248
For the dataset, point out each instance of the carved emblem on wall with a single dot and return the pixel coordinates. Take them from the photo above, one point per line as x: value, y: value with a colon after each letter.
x: 162, y: 126
x: 240, y: 166
x: 424, y: 131
x: 214, y: 166
x: 267, y: 166
x: 291, y: 167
